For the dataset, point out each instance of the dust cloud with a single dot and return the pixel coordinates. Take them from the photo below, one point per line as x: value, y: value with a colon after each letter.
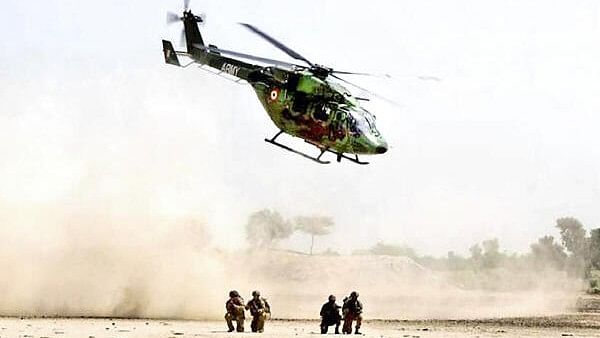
x: 394, y: 287
x: 89, y: 228
x: 110, y: 267
x: 91, y: 264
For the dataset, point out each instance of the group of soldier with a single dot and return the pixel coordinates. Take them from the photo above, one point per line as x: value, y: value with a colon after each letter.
x: 351, y: 311
x: 236, y: 311
x: 260, y: 310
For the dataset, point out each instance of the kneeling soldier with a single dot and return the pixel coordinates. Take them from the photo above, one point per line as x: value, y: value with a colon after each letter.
x: 352, y: 311
x: 235, y: 311
x: 330, y: 315
x: 260, y: 311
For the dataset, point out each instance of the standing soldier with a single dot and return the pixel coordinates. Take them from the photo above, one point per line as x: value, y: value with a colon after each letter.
x: 352, y: 310
x: 330, y: 315
x: 260, y: 310
x: 235, y: 311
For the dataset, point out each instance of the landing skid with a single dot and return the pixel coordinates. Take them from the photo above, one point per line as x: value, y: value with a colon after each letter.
x: 318, y: 158
x: 339, y: 155
x: 351, y: 159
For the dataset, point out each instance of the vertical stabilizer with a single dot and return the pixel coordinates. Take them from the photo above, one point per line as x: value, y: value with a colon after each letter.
x: 192, y: 32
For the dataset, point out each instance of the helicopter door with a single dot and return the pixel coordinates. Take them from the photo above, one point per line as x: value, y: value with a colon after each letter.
x: 300, y: 104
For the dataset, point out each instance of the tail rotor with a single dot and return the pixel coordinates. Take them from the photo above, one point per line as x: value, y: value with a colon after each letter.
x: 173, y: 18
x: 187, y: 15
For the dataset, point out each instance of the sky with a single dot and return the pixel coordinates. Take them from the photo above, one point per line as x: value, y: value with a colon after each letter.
x: 92, y: 122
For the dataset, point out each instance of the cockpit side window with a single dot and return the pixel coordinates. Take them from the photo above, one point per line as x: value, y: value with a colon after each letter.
x: 370, y: 119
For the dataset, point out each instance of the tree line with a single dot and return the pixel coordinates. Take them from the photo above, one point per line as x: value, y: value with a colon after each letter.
x: 577, y: 251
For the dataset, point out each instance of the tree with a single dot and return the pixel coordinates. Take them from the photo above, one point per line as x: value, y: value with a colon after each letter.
x: 491, y: 253
x: 547, y: 252
x: 595, y: 249
x: 265, y: 227
x: 314, y: 226
x: 573, y: 237
x: 476, y: 255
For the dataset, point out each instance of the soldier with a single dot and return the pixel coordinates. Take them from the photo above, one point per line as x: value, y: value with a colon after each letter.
x: 260, y: 311
x: 330, y: 315
x: 235, y: 311
x: 352, y: 310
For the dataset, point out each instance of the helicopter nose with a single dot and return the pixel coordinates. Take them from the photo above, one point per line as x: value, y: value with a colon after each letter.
x: 381, y: 149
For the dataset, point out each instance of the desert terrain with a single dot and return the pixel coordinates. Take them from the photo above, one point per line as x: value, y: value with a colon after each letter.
x: 401, y: 299
x: 575, y: 325
x: 94, y: 285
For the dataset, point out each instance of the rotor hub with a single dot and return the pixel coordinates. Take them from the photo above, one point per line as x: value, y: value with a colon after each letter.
x: 321, y: 71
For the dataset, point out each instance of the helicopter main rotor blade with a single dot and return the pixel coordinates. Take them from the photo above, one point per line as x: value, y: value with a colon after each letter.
x: 382, y: 75
x: 389, y: 76
x: 250, y: 57
x: 383, y: 98
x: 277, y: 44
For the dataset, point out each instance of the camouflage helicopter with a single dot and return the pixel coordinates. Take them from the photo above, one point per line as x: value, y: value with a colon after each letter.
x: 302, y: 101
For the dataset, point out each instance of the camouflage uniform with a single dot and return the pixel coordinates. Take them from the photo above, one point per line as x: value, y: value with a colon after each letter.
x: 330, y: 315
x: 260, y: 311
x: 235, y: 311
x: 352, y: 310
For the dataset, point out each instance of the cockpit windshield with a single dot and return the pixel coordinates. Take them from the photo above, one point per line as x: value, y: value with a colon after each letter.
x: 365, y: 122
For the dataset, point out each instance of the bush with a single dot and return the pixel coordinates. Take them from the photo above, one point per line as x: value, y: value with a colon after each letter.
x: 594, y: 282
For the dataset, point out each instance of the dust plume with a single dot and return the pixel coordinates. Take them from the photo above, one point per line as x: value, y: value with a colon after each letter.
x: 88, y: 264
x: 398, y: 287
x: 110, y: 267
x: 96, y: 220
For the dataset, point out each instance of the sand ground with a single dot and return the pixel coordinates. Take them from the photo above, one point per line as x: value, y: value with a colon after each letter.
x: 577, y: 325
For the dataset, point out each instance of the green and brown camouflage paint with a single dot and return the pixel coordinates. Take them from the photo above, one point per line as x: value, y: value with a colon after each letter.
x: 300, y: 103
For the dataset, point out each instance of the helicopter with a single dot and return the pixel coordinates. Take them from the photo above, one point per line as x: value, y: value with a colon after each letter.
x: 305, y: 101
